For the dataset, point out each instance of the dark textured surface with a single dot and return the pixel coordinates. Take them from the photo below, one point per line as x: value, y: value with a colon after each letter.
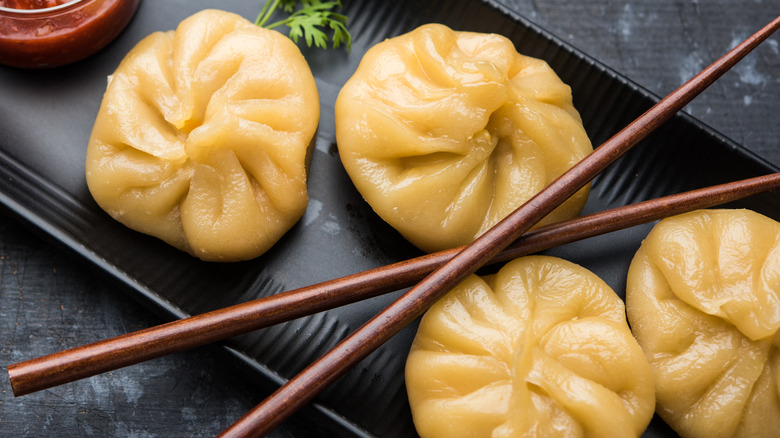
x: 660, y: 44
x: 49, y: 300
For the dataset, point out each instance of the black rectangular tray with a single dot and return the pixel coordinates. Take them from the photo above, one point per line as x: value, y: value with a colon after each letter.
x: 46, y: 118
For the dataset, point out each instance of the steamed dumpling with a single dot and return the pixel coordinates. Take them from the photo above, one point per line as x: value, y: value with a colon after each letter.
x: 539, y: 349
x: 703, y: 301
x: 445, y: 133
x: 202, y: 137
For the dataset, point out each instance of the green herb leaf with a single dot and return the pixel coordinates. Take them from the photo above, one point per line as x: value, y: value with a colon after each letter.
x: 310, y: 21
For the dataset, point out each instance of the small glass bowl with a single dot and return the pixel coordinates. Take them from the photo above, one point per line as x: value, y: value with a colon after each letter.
x: 61, y: 34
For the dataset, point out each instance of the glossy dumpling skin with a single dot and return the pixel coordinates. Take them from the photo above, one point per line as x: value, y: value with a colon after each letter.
x: 702, y: 300
x: 202, y: 137
x: 445, y: 133
x: 540, y: 349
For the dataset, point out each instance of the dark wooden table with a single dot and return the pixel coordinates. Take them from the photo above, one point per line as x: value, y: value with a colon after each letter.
x: 49, y: 301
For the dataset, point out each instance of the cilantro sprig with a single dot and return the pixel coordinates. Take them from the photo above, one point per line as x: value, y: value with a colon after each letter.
x: 311, y: 21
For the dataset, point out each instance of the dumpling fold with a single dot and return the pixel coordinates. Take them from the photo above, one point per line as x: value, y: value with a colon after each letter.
x: 445, y: 133
x: 540, y: 349
x: 703, y: 299
x: 202, y: 137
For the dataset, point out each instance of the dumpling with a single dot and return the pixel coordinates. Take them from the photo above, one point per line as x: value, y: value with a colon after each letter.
x: 445, y: 133
x: 202, y: 137
x: 541, y: 348
x: 702, y: 300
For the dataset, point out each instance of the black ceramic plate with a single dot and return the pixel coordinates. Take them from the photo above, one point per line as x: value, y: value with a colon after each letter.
x: 46, y: 118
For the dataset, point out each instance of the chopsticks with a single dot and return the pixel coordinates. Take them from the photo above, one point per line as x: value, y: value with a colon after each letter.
x: 302, y: 388
x: 102, y: 356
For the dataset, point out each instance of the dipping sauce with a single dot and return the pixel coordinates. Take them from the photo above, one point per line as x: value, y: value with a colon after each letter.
x: 31, y: 4
x: 50, y: 33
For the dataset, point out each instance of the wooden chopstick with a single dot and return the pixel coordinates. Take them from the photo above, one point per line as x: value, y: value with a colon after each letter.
x: 102, y: 356
x: 302, y: 388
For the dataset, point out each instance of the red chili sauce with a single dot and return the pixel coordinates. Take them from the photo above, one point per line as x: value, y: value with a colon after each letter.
x: 50, y: 33
x: 31, y: 4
